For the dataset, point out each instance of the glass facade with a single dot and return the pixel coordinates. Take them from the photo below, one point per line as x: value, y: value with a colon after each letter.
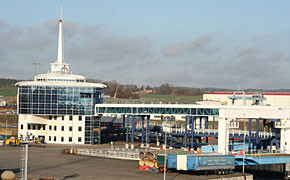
x: 58, y: 100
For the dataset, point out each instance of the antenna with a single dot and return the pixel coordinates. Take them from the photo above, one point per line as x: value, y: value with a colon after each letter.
x: 35, y: 66
x: 60, y: 14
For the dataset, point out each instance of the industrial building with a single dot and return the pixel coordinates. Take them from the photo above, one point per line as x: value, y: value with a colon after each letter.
x: 243, y: 98
x: 58, y: 107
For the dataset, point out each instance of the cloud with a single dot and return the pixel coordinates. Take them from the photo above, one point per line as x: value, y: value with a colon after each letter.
x: 248, y: 51
x: 186, y: 48
x: 203, y: 62
x: 86, y: 47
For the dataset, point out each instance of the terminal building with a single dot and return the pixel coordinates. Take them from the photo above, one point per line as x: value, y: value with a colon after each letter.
x: 242, y: 98
x: 58, y: 107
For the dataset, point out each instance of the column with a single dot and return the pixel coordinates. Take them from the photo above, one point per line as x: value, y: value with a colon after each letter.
x: 127, y: 131
x: 133, y: 131
x: 197, y: 123
x: 223, y: 136
x: 143, y: 132
x: 171, y: 121
x: 148, y: 132
x: 185, y: 133
x: 250, y: 134
x: 192, y: 133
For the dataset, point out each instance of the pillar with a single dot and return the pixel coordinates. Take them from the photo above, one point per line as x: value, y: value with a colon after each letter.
x: 197, y: 123
x: 223, y: 136
x: 257, y: 131
x: 133, y: 131
x: 127, y: 131
x: 148, y: 131
x: 282, y: 140
x: 192, y: 133
x: 286, y: 143
x: 203, y: 122
x: 171, y: 121
x: 143, y: 132
x: 250, y: 133
x: 185, y: 133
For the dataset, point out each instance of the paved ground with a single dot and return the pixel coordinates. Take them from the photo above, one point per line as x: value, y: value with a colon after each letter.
x: 49, y: 162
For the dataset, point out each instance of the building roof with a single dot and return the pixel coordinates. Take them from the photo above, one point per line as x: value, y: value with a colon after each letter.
x: 65, y: 84
x: 252, y: 93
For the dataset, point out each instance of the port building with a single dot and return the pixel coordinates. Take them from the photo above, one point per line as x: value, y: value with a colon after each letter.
x: 241, y: 98
x: 58, y: 107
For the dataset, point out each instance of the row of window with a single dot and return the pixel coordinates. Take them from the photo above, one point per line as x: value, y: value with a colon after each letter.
x: 38, y: 127
x: 70, y: 118
x: 66, y: 80
x: 57, y: 89
x: 62, y: 128
x: 62, y: 139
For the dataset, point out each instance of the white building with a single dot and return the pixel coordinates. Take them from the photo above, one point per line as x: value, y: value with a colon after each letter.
x: 270, y: 99
x: 58, y: 106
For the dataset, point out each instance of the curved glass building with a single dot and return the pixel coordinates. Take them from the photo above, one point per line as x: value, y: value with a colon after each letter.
x: 58, y: 107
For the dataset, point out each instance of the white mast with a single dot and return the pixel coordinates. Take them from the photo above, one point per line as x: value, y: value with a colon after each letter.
x: 59, y: 65
x: 60, y: 40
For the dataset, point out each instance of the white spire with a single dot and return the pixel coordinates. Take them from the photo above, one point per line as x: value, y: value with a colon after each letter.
x: 59, y: 66
x: 60, y: 40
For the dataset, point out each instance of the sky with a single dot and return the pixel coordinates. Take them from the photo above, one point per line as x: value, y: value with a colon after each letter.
x: 223, y: 44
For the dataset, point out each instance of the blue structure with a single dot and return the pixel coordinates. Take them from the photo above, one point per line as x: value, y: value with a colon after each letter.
x: 197, y: 162
x: 262, y: 159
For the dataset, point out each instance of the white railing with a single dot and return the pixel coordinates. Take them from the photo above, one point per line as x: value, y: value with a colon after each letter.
x: 170, y: 129
x: 109, y: 153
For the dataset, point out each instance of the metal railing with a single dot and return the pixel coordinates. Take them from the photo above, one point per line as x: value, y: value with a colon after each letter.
x: 109, y: 153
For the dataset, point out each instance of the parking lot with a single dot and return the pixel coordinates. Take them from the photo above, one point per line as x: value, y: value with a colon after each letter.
x: 50, y: 162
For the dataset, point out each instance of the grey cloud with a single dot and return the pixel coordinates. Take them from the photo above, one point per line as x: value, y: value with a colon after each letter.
x: 185, y: 48
x: 248, y: 51
x: 203, y: 62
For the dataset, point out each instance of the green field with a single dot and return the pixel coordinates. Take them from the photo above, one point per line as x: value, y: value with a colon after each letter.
x: 8, y: 91
x: 171, y: 98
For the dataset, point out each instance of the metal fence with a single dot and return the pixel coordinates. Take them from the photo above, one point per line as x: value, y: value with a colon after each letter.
x: 109, y: 153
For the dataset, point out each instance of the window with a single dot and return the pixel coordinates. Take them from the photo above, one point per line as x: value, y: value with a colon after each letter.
x: 70, y: 139
x: 54, y: 138
x: 80, y: 118
x: 70, y: 118
x: 21, y: 127
x: 33, y: 126
x: 28, y: 126
x: 43, y: 127
x: 55, y: 117
x: 70, y: 128
x: 79, y: 139
x: 55, y: 128
x: 62, y: 128
x: 50, y: 127
x: 62, y: 139
x: 49, y: 138
x: 38, y: 127
x: 80, y: 128
x: 50, y: 118
x: 62, y: 118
